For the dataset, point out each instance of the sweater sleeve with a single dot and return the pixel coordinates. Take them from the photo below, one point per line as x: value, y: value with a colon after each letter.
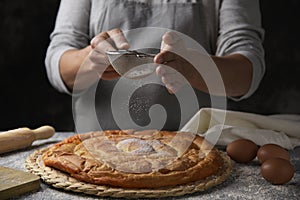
x: 241, y: 32
x: 71, y: 32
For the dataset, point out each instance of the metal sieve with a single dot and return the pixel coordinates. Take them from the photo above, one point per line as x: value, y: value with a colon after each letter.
x: 132, y: 64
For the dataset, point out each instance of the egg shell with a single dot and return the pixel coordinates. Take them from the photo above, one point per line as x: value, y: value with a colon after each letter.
x: 277, y: 171
x: 242, y: 150
x: 268, y: 151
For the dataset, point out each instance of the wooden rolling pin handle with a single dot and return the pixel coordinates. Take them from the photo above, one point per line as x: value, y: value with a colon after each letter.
x: 23, y: 137
x: 43, y: 132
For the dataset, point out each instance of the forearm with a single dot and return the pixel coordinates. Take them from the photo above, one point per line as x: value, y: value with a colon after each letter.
x: 241, y: 33
x: 236, y: 71
x: 70, y: 63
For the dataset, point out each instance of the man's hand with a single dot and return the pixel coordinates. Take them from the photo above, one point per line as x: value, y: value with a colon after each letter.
x: 180, y: 65
x: 106, y: 41
x: 175, y: 69
x: 81, y: 68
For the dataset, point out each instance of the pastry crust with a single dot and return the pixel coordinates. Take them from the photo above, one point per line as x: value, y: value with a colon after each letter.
x: 135, y: 159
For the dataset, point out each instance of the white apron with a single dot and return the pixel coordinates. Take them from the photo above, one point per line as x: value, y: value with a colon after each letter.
x: 185, y: 16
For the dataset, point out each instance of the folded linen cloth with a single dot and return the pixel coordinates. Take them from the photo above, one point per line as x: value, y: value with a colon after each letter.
x: 221, y: 127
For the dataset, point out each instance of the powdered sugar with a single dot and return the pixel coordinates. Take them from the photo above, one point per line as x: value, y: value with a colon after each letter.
x: 135, y: 146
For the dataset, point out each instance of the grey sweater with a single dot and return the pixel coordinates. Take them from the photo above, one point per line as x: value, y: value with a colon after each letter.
x: 222, y: 27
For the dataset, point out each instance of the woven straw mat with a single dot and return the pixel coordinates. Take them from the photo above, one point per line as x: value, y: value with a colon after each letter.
x: 58, y: 179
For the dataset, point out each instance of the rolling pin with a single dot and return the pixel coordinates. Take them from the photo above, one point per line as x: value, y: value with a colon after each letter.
x: 23, y: 137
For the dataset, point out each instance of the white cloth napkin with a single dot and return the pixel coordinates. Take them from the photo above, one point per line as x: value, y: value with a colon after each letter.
x: 221, y: 127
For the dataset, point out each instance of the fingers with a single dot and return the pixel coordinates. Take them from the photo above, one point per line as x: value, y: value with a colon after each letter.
x: 172, y: 47
x: 171, y: 87
x: 171, y: 78
x: 171, y: 38
x: 109, y: 41
x: 118, y: 38
x: 172, y: 42
x: 165, y: 57
x: 102, y: 43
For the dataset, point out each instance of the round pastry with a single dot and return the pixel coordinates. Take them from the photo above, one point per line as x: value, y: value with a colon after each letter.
x: 135, y: 159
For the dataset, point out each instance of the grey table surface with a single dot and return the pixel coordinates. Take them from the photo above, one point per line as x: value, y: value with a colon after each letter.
x: 245, y: 181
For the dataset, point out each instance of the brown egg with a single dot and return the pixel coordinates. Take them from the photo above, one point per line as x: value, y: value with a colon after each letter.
x: 242, y: 150
x: 277, y: 171
x: 268, y: 151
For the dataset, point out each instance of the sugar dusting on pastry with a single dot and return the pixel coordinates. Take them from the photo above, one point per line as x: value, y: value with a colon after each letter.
x: 132, y: 155
x: 140, y: 155
x: 135, y: 146
x: 134, y: 159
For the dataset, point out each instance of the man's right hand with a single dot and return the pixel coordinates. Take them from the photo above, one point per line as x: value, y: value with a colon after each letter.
x: 103, y: 42
x: 81, y: 68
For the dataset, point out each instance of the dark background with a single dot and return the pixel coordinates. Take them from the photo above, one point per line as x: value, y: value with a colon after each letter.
x: 27, y: 98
